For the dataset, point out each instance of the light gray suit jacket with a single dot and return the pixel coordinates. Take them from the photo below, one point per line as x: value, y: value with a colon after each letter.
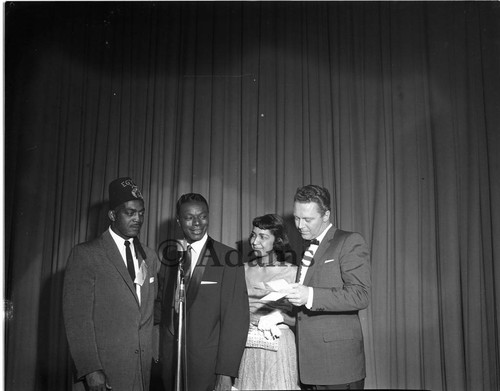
x: 106, y: 327
x: 330, y: 340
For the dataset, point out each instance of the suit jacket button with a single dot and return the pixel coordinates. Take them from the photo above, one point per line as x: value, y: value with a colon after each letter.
x: 136, y: 351
x: 299, y: 317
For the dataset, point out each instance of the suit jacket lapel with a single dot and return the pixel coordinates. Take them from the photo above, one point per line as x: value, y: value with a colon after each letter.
x: 169, y: 295
x: 116, y: 259
x: 318, y: 255
x: 147, y: 274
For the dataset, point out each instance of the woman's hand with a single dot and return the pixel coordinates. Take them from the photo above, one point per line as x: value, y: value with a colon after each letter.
x: 268, y: 324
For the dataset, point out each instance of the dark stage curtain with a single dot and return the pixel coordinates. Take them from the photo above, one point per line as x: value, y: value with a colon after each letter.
x: 394, y: 107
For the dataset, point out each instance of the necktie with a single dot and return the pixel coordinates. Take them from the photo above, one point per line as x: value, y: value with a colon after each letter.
x: 307, y: 259
x: 130, y: 260
x: 187, y: 265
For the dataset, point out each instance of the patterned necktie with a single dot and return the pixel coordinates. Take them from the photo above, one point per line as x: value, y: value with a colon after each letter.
x: 130, y: 260
x: 307, y: 259
x: 187, y: 266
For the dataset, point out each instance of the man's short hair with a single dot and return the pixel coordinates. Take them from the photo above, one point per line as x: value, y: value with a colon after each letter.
x: 314, y: 193
x: 189, y: 197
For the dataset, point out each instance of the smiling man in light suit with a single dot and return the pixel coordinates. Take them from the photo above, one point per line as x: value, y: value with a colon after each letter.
x: 217, y: 314
x: 333, y: 285
x: 108, y: 299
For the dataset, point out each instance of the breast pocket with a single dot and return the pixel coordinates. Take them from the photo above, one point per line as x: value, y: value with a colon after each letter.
x: 209, y: 282
x: 328, y: 275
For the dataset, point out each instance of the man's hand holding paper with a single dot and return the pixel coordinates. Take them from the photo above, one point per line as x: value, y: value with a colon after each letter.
x: 298, y: 294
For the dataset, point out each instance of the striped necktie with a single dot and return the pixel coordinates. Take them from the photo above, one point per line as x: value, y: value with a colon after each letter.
x: 307, y: 260
x: 187, y: 265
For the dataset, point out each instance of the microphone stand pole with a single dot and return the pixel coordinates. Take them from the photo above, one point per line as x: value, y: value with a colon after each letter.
x: 180, y: 328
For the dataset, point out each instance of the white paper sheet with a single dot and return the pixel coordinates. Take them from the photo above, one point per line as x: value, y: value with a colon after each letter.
x: 278, y: 290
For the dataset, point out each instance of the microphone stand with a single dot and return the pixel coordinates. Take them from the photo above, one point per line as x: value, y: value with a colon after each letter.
x: 180, y: 328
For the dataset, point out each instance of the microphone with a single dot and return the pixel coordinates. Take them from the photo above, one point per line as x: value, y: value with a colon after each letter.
x: 182, y: 256
x: 180, y: 294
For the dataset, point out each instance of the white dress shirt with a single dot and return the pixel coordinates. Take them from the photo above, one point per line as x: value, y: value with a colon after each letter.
x: 304, y: 269
x: 196, y: 248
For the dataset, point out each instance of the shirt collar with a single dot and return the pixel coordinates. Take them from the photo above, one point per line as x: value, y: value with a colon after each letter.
x: 118, y: 239
x: 322, y: 235
x: 198, y: 246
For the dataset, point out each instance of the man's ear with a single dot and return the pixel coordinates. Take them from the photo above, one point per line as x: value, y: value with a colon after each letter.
x: 326, y: 216
x: 112, y: 215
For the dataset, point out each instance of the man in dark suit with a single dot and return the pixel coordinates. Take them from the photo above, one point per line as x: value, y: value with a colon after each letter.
x: 217, y: 314
x: 333, y: 285
x: 108, y: 299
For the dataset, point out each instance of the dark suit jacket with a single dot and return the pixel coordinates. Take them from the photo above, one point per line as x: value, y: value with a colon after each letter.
x: 217, y: 317
x: 106, y: 327
x: 330, y: 340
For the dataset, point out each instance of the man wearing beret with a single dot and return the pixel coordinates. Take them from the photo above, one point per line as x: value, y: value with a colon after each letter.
x: 109, y: 290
